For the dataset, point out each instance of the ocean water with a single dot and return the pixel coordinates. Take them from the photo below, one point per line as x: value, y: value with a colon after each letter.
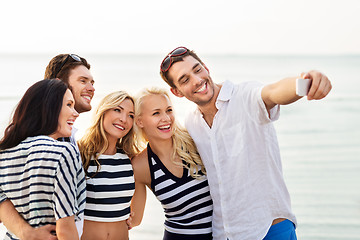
x: 319, y: 140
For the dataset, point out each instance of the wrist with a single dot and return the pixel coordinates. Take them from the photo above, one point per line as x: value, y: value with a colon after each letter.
x: 26, y: 231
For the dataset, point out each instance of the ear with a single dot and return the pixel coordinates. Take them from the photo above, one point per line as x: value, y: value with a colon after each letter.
x: 139, y: 123
x: 176, y: 92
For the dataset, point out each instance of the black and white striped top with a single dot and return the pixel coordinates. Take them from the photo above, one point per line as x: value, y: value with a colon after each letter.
x: 186, y: 201
x: 44, y: 179
x: 109, y: 192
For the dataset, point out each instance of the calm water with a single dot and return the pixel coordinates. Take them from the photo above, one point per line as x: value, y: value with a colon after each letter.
x: 319, y: 141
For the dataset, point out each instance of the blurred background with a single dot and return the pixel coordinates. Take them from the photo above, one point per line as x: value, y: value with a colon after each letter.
x: 125, y: 42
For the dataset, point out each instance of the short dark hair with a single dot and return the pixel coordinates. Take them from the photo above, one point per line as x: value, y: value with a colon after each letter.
x: 37, y: 113
x: 165, y: 75
x: 53, y: 71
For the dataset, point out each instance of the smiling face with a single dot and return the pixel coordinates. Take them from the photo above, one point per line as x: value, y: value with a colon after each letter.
x: 192, y: 80
x: 67, y: 116
x: 81, y: 82
x: 156, y: 118
x: 119, y: 121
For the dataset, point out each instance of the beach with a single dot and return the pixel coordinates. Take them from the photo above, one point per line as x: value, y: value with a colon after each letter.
x: 319, y: 140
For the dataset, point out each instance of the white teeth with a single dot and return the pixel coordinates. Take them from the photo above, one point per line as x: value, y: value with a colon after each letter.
x: 202, y: 88
x: 87, y: 98
x: 71, y: 122
x: 119, y: 127
x: 164, y: 127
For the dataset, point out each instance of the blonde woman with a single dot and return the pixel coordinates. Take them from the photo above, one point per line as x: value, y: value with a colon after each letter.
x: 171, y: 167
x: 106, y: 149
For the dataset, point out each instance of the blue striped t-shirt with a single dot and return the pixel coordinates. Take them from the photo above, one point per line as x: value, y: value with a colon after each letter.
x: 44, y: 179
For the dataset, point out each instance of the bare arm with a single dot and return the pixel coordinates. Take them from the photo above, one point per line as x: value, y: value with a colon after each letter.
x: 142, y: 178
x: 138, y: 204
x: 284, y: 91
x: 17, y: 225
x: 66, y: 229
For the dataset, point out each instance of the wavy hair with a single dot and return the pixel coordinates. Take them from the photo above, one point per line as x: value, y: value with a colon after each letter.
x: 94, y: 142
x: 183, y: 144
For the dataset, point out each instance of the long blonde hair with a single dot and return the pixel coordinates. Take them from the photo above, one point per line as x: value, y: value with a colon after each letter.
x: 183, y: 144
x: 94, y: 142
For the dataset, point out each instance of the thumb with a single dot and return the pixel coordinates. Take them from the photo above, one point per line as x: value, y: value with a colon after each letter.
x: 305, y: 75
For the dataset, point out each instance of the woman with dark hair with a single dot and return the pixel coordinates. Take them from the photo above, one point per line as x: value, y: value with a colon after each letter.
x: 41, y: 176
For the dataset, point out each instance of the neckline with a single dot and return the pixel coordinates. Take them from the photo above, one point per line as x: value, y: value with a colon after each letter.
x: 164, y: 168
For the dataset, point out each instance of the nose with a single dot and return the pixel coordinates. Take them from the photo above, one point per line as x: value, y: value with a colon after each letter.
x: 196, y: 79
x: 75, y: 113
x: 90, y: 87
x: 165, y: 117
x: 122, y: 117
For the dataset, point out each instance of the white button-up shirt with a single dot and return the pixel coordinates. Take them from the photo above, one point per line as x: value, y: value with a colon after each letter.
x: 242, y: 159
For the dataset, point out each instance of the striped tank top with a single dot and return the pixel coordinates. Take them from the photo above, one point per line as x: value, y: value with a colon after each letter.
x: 109, y: 192
x: 186, y: 201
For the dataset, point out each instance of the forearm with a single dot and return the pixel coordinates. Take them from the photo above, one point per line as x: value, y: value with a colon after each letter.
x: 282, y: 92
x: 13, y: 221
x: 138, y: 204
x: 66, y: 229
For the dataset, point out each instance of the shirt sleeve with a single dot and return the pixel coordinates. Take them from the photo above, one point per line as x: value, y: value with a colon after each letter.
x: 2, y: 196
x: 65, y: 191
x: 254, y: 104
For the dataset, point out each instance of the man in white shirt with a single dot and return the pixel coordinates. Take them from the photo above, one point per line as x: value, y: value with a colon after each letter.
x: 233, y: 131
x: 75, y: 71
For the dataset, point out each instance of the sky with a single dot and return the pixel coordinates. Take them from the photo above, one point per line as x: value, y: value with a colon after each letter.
x: 157, y: 26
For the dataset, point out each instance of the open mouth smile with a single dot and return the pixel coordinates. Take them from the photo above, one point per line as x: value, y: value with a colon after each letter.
x: 202, y: 89
x: 119, y: 127
x: 165, y: 127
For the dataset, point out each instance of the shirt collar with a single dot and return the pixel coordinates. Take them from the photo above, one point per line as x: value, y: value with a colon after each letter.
x: 225, y: 93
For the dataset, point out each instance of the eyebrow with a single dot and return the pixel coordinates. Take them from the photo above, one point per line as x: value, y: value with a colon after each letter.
x: 182, y: 76
x: 92, y: 81
x: 158, y: 109
x: 123, y: 109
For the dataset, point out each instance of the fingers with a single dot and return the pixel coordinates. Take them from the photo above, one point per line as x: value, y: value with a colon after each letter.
x: 49, y: 232
x: 320, y: 86
x: 129, y: 220
x: 50, y: 227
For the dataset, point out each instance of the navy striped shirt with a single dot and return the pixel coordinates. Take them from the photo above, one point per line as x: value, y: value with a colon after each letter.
x: 44, y: 179
x: 186, y: 201
x: 109, y: 192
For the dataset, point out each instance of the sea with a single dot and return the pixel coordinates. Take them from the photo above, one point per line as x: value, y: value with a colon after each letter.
x: 319, y: 140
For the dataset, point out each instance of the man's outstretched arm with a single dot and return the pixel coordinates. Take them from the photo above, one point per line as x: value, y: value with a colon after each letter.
x: 284, y: 91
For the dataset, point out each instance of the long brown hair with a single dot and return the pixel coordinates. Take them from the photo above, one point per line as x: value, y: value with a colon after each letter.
x: 37, y: 113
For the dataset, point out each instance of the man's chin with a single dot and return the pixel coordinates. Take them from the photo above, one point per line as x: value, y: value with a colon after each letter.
x: 82, y: 108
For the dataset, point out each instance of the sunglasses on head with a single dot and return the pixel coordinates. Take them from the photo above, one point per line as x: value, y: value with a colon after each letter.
x: 166, y: 63
x: 74, y: 57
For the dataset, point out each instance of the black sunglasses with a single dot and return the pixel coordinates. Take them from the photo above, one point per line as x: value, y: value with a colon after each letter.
x: 166, y: 63
x: 72, y: 56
